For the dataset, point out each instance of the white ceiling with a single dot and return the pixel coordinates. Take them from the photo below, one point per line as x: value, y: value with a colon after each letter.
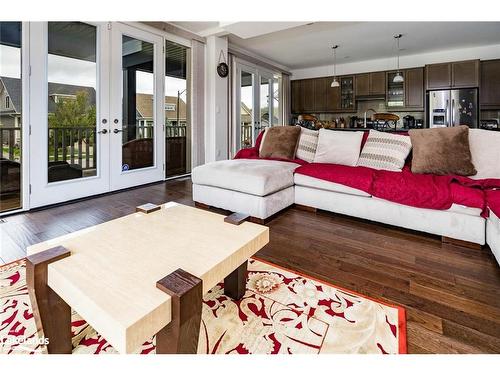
x: 309, y: 45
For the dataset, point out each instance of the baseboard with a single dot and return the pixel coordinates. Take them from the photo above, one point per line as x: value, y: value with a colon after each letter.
x: 455, y: 242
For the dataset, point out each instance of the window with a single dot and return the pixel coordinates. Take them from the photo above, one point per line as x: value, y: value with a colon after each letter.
x: 7, y: 101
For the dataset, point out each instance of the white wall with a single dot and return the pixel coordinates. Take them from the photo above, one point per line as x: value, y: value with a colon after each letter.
x: 216, y: 102
x: 410, y: 61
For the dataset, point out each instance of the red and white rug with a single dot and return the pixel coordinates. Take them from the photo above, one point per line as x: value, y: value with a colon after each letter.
x: 281, y: 312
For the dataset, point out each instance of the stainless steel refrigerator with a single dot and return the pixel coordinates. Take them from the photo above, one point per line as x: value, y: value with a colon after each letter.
x: 453, y: 108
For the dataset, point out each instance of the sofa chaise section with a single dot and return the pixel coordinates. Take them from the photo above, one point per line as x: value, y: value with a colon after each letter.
x: 257, y: 187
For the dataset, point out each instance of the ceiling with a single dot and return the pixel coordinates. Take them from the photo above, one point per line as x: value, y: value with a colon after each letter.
x: 309, y: 45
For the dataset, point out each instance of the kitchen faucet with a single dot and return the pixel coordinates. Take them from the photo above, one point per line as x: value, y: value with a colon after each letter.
x: 369, y: 109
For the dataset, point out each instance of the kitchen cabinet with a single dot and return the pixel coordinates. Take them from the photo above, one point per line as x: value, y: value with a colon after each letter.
x: 347, y: 102
x: 377, y: 83
x: 362, y: 84
x: 452, y: 75
x: 465, y: 73
x: 296, y: 96
x: 320, y: 94
x: 395, y: 96
x: 370, y: 84
x: 308, y: 95
x: 414, y: 88
x: 489, y: 96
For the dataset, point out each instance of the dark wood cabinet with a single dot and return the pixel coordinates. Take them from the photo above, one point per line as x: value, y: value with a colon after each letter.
x: 489, y: 95
x: 362, y: 84
x: 296, y: 96
x: 370, y: 84
x: 320, y: 94
x: 452, y: 75
x: 377, y: 83
x: 414, y: 88
x: 465, y: 73
x: 308, y: 95
x: 438, y: 76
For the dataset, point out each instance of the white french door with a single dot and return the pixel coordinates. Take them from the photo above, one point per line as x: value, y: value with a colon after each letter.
x: 256, y: 104
x: 137, y: 86
x: 89, y: 84
x: 69, y: 96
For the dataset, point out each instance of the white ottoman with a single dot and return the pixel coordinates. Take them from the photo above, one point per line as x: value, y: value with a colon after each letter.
x: 493, y: 235
x: 259, y: 188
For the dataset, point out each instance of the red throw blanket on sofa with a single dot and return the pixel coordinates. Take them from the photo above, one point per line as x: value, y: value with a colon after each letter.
x: 416, y: 190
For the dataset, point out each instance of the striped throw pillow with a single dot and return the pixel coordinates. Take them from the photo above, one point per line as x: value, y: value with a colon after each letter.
x: 385, y: 151
x: 308, y: 142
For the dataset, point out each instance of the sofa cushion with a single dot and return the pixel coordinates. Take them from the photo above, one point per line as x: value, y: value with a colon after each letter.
x: 442, y: 151
x: 280, y: 142
x: 308, y: 142
x: 385, y: 151
x: 338, y: 147
x: 359, y: 178
x: 252, y: 176
x: 317, y: 183
x: 484, y: 149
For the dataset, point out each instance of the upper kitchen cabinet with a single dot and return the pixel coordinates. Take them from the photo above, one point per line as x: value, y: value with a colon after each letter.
x: 308, y: 95
x: 347, y: 102
x: 326, y: 97
x: 368, y: 84
x: 377, y: 83
x: 450, y: 75
x: 395, y: 95
x: 363, y: 84
x: 414, y: 88
x: 296, y: 96
x: 490, y: 84
x: 465, y: 73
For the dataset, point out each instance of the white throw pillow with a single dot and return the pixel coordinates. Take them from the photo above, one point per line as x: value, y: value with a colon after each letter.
x: 485, y: 151
x: 385, y: 151
x: 308, y: 142
x: 338, y: 147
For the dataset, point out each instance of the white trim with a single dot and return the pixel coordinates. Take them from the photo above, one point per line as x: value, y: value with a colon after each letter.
x: 26, y: 119
x: 243, y: 51
x: 164, y: 34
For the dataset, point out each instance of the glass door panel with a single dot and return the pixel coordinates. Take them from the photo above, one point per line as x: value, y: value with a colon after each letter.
x: 265, y: 100
x: 138, y: 101
x: 10, y: 116
x: 137, y: 112
x: 246, y: 109
x: 276, y: 109
x: 71, y: 101
x: 177, y: 126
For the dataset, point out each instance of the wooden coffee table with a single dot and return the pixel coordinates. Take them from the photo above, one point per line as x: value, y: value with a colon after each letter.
x: 139, y: 275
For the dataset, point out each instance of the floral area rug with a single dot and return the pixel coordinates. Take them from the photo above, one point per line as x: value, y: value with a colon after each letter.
x: 281, y: 312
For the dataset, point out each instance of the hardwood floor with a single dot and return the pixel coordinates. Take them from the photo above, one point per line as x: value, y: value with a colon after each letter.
x: 451, y: 293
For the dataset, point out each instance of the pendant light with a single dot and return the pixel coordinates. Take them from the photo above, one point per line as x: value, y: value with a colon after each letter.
x: 335, y: 83
x: 398, y: 78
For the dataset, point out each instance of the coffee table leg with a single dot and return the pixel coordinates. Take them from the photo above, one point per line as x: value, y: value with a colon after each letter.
x: 235, y: 284
x: 181, y: 335
x: 52, y: 315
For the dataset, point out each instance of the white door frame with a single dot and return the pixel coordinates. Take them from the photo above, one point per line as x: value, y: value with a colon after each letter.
x: 43, y: 193
x: 123, y: 179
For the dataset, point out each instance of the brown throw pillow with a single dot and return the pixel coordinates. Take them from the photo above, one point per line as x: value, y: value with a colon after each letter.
x: 280, y: 142
x: 442, y: 151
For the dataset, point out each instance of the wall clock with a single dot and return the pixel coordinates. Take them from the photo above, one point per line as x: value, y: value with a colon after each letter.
x: 222, y: 67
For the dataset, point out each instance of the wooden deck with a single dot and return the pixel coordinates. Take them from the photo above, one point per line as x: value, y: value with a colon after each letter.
x: 451, y: 294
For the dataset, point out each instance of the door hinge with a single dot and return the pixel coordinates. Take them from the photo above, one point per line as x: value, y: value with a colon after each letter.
x: 109, y: 25
x: 30, y: 188
x: 29, y: 71
x: 30, y: 129
x: 164, y: 166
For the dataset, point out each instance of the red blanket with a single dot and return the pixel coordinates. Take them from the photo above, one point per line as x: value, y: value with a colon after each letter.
x: 416, y: 190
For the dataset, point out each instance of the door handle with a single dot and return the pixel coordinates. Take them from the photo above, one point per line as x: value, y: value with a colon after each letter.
x: 452, y: 112
x: 447, y: 112
x: 103, y: 131
x: 116, y: 131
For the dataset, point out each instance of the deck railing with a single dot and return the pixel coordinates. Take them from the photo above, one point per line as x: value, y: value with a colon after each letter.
x: 75, y: 144
x: 246, y: 135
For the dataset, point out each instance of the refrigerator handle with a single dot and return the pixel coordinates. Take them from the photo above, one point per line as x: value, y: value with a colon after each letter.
x: 452, y: 112
x: 447, y: 112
